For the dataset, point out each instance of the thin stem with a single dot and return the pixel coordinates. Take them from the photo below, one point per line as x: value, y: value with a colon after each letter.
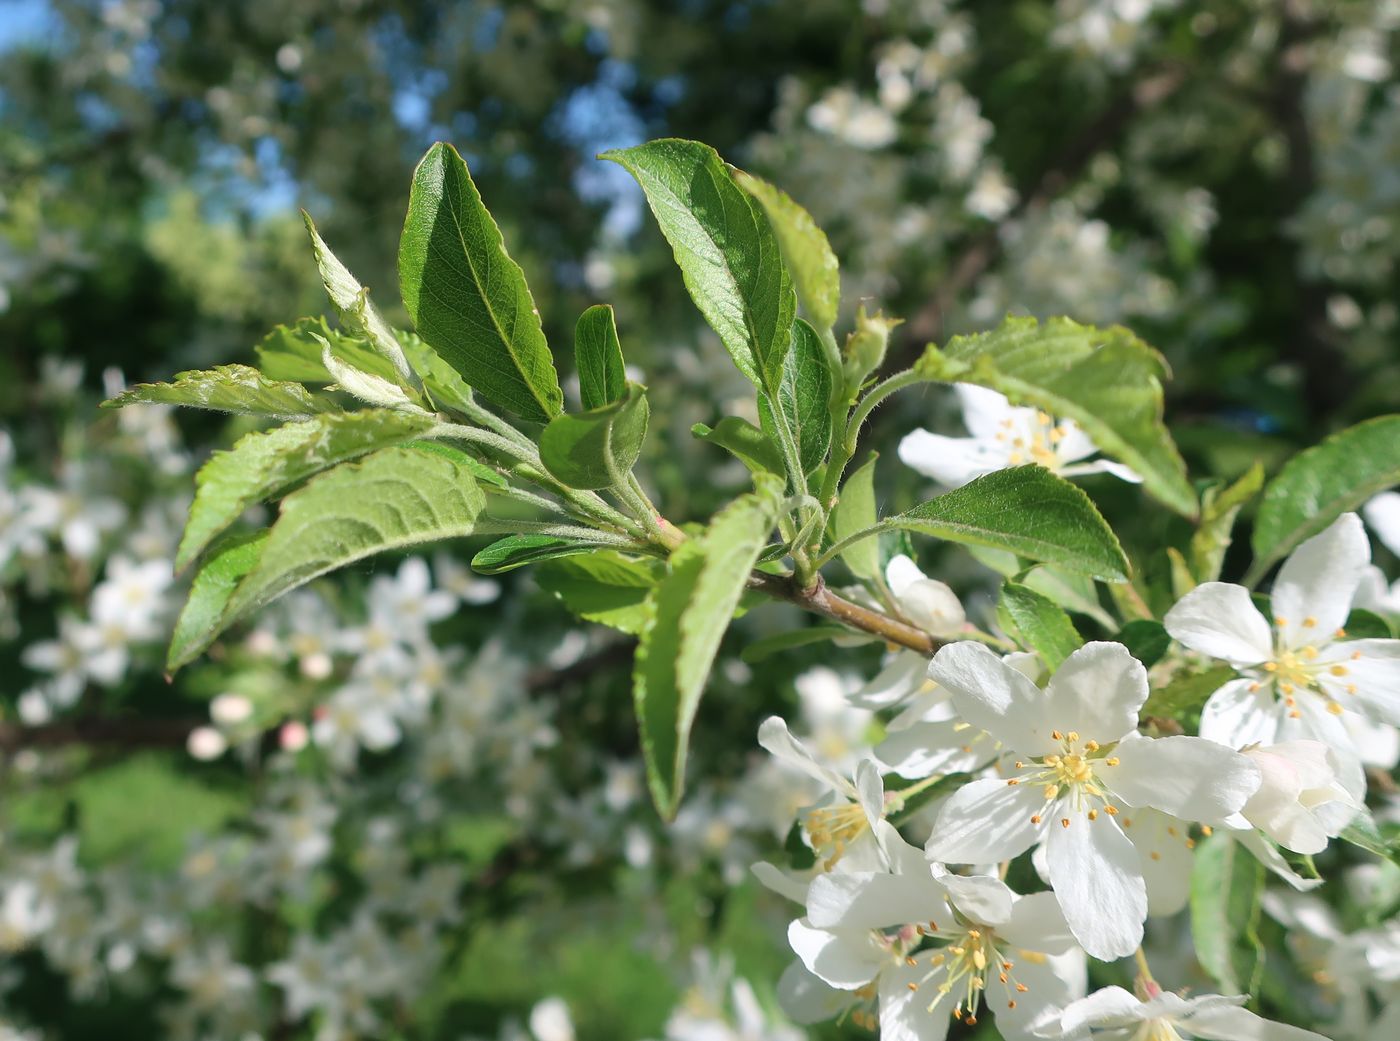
x: 846, y: 447
x: 493, y: 526
x: 835, y: 549
x: 820, y: 600
x: 1144, y: 970
x: 459, y: 432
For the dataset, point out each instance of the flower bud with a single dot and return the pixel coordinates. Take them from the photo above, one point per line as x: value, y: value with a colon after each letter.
x: 865, y: 348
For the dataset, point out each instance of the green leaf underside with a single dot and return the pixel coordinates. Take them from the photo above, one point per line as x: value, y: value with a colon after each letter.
x: 483, y: 473
x: 725, y: 248
x: 1184, y: 694
x: 744, y: 441
x: 239, y: 389
x: 602, y: 374
x: 1226, y: 882
x: 1037, y: 623
x: 210, y: 592
x: 804, y: 397
x: 689, y: 612
x: 352, y: 302
x: 602, y: 587
x: 1106, y: 380
x: 1028, y: 511
x: 467, y: 297
x: 261, y: 466
x: 1321, y: 483
x: 444, y: 384
x: 293, y: 352
x: 815, y: 271
x: 515, y: 551
x: 395, y: 498
x: 592, y: 449
x: 855, y: 511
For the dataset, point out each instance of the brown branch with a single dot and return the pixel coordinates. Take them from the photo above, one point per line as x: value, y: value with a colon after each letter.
x: 821, y: 600
x: 124, y: 732
x: 984, y: 249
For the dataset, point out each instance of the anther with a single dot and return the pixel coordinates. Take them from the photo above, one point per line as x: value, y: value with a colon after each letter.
x: 1064, y: 822
x: 1280, y: 620
x: 1338, y: 670
x: 1056, y: 735
x: 1309, y: 622
x: 1093, y: 815
x: 1035, y: 818
x: 1112, y: 811
x: 1335, y: 708
x: 1112, y: 760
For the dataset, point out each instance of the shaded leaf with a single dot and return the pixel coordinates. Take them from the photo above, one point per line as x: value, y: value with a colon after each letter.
x: 603, y: 587
x: 602, y: 375
x: 855, y: 511
x: 1147, y: 640
x: 515, y: 551
x: 1219, y: 508
x: 293, y: 352
x: 595, y: 449
x: 815, y: 271
x: 1226, y: 883
x: 746, y: 442
x: 1038, y: 624
x: 804, y: 398
x: 210, y: 593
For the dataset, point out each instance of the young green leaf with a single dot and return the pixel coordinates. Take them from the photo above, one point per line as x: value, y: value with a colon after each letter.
x: 468, y: 298
x: 1186, y: 694
x: 1146, y: 639
x: 1319, y: 484
x: 1219, y: 507
x: 394, y: 498
x: 602, y: 376
x: 689, y: 612
x: 263, y: 465
x: 352, y: 302
x: 1038, y: 624
x: 1026, y: 510
x: 484, y: 474
x: 227, y: 388
x: 515, y: 551
x: 1106, y: 380
x: 855, y: 511
x: 815, y: 271
x: 725, y: 247
x: 1226, y: 883
x: 603, y: 587
x: 750, y: 445
x: 210, y: 592
x: 1362, y: 832
x: 443, y: 384
x: 595, y: 449
x: 803, y: 397
x: 293, y: 352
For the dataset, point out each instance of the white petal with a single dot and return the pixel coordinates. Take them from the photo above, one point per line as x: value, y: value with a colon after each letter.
x: 904, y: 1014
x: 874, y: 901
x: 903, y: 676
x: 1222, y: 1022
x: 1036, y: 923
x: 773, y: 735
x: 1096, y: 876
x: 1319, y: 581
x: 870, y: 791
x: 1106, y: 1008
x: 847, y: 960
x: 1189, y: 777
x: 780, y: 882
x: 925, y: 749
x: 991, y: 695
x: 980, y: 897
x: 933, y: 607
x: 1104, y: 466
x: 1382, y: 512
x: 1052, y: 982
x: 1375, y: 675
x: 986, y: 821
x: 1097, y: 692
x: 984, y: 411
x: 901, y: 573
x: 1237, y: 716
x: 1165, y: 857
x: 1220, y: 619
x: 808, y: 1000
x: 949, y: 460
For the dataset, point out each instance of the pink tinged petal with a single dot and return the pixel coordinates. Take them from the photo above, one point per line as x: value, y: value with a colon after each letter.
x: 807, y: 999
x: 904, y: 1013
x: 1165, y: 857
x: 952, y: 461
x: 980, y: 898
x: 1319, y: 581
x: 1104, y: 1009
x: 846, y: 959
x: 1036, y: 923
x: 1188, y: 777
x: 993, y: 696
x: 1382, y: 512
x: 1222, y: 1022
x: 773, y: 735
x: 1097, y: 878
x: 875, y: 901
x: 987, y: 821
x: 925, y: 749
x: 902, y: 677
x: 1237, y: 716
x: 1219, y: 619
x: 1097, y: 692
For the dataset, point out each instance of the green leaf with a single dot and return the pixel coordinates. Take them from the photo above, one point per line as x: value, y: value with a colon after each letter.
x: 1147, y: 640
x: 815, y: 272
x: 1187, y: 693
x: 1219, y: 507
x: 1362, y: 624
x: 515, y: 551
x: 725, y: 247
x: 602, y: 376
x: 595, y: 449
x: 745, y: 441
x: 483, y: 473
x: 293, y: 352
x: 1037, y: 623
x: 804, y: 398
x: 263, y: 465
x: 1362, y: 832
x: 468, y: 298
x: 395, y: 498
x: 1106, y: 380
x: 351, y: 300
x: 227, y: 388
x: 1226, y: 883
x: 1319, y: 484
x: 602, y: 587
x: 210, y: 593
x: 443, y: 383
x: 779, y: 642
x: 1028, y: 511
x: 688, y: 614
x: 855, y: 511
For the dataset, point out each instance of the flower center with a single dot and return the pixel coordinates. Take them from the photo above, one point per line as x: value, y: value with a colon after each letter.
x: 1069, y: 775
x: 1298, y: 670
x: 832, y: 829
x: 967, y: 960
x: 1037, y: 444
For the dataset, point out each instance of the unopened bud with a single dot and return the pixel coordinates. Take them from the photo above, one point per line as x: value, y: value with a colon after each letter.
x: 865, y: 348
